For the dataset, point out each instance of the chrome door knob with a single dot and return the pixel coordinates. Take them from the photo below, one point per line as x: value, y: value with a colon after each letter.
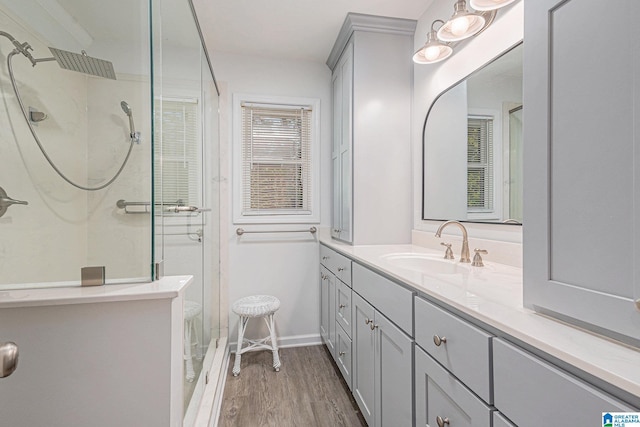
x: 442, y: 421
x: 438, y: 340
x: 8, y: 358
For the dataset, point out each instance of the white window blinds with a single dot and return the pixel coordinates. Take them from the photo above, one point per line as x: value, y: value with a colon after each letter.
x: 276, y: 159
x: 480, y: 164
x: 176, y: 165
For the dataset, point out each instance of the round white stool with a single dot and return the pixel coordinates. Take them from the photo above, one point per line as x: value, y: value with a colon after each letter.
x: 191, y: 337
x: 263, y: 306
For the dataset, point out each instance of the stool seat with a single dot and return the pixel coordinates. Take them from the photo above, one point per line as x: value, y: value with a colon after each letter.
x: 256, y: 306
x: 253, y: 306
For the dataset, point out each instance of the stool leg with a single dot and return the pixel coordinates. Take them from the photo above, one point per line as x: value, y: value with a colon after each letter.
x: 190, y: 374
x: 241, y: 327
x: 274, y: 343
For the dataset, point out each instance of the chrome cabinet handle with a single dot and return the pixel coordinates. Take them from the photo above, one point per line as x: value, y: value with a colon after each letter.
x: 367, y: 321
x: 442, y: 421
x: 341, y: 269
x: 438, y: 340
x: 341, y: 353
x: 324, y: 276
x: 8, y: 358
x: 341, y: 306
x: 372, y: 326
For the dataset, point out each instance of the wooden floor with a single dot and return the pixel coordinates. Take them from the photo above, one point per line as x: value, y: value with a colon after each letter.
x: 308, y: 391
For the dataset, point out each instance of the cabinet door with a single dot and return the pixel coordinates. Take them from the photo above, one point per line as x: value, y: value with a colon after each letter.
x: 363, y: 347
x: 324, y: 304
x: 533, y: 393
x: 345, y: 149
x: 439, y: 394
x: 393, y: 375
x: 331, y: 321
x: 336, y: 221
x: 343, y: 306
x: 582, y: 165
x: 343, y: 355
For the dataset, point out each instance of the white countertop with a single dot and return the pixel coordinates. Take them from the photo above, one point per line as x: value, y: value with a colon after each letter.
x: 493, y: 295
x: 167, y: 287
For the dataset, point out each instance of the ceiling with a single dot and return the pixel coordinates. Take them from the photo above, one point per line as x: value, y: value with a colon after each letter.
x: 294, y: 29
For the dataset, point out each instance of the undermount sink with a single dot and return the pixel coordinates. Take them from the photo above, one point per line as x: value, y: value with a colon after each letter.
x: 424, y: 263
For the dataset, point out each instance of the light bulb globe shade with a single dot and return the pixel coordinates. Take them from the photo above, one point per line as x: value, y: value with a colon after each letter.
x: 486, y: 5
x: 461, y: 26
x: 433, y: 51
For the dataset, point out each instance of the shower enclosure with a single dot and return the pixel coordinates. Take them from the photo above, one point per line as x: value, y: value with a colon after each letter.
x: 111, y: 167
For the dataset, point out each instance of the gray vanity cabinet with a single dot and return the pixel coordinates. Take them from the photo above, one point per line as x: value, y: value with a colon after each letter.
x: 382, y: 367
x: 371, y: 86
x: 440, y: 395
x: 532, y: 393
x: 327, y: 309
x: 582, y: 164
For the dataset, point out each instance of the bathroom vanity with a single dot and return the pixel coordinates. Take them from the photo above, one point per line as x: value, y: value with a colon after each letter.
x: 433, y: 342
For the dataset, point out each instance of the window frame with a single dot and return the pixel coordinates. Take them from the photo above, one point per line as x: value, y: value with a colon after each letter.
x: 309, y: 217
x: 496, y: 211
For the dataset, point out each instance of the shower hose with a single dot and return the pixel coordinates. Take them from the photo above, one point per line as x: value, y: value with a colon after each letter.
x: 44, y: 152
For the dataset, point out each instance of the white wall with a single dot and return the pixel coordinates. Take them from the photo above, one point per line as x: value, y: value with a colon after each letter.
x: 431, y: 80
x: 284, y: 265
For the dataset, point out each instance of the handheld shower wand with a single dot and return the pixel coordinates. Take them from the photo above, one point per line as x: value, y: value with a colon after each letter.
x: 135, y: 136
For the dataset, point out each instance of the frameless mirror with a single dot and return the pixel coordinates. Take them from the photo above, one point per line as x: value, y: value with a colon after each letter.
x: 472, y: 145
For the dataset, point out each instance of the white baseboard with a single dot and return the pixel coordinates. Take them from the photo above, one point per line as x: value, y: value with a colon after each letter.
x: 290, y: 341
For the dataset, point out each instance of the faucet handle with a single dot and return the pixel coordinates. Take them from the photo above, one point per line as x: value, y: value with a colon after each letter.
x: 448, y: 253
x: 477, y: 259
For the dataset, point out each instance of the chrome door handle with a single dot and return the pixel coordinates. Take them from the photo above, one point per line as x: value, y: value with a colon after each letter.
x: 8, y: 358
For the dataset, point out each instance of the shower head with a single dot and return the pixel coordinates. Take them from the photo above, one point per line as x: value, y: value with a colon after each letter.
x: 125, y: 107
x: 135, y: 136
x: 83, y: 63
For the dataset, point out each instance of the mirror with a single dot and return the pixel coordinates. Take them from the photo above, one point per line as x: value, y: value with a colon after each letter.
x: 472, y: 146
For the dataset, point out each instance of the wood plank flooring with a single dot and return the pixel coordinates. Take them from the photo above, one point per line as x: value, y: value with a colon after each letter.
x: 308, y: 391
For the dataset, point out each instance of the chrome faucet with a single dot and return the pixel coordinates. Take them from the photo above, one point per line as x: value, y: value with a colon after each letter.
x: 464, y: 253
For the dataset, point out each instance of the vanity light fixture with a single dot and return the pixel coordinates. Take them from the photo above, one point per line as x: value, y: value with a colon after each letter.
x: 485, y: 5
x: 462, y: 24
x: 433, y: 50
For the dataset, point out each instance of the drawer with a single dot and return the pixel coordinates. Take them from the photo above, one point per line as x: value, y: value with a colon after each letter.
x: 338, y: 264
x: 392, y: 300
x: 500, y: 421
x: 343, y: 306
x: 343, y: 354
x: 532, y: 392
x: 465, y: 350
x: 439, y: 394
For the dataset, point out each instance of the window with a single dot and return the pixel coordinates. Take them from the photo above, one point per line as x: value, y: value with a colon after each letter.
x: 480, y: 164
x: 274, y: 152
x: 176, y: 170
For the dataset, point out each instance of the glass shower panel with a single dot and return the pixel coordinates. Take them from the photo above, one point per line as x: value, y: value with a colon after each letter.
x: 74, y: 140
x: 185, y: 194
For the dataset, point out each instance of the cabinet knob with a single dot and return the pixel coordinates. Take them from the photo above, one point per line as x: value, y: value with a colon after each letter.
x: 372, y: 326
x: 367, y: 321
x: 324, y: 258
x: 341, y: 354
x: 442, y: 421
x: 341, y: 306
x: 438, y: 340
x: 341, y: 269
